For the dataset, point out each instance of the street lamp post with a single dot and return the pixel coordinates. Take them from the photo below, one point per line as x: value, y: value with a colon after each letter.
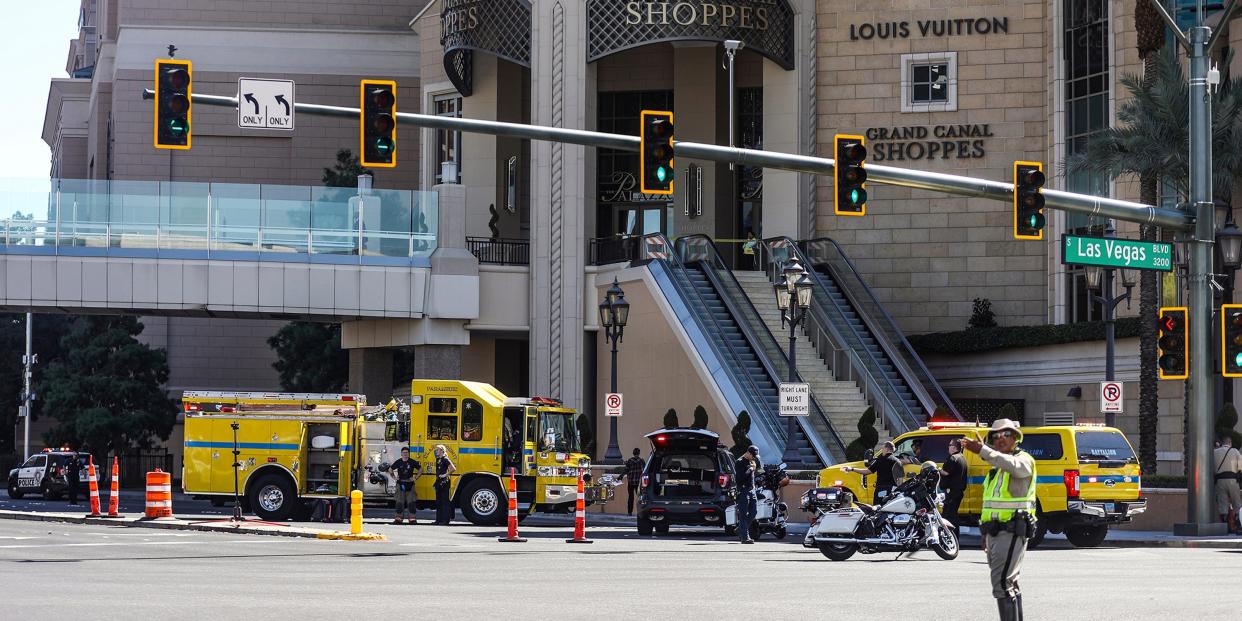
x: 1109, y: 301
x: 1229, y: 244
x: 614, y: 313
x: 793, y: 298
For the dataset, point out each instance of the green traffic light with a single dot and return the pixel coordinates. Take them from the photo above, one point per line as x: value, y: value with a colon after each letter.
x: 855, y: 197
x: 383, y: 146
x: 1237, y: 360
x: 177, y: 127
x: 661, y: 174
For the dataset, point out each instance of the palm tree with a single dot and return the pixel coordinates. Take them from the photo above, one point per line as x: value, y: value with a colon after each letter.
x: 1151, y: 141
x: 1150, y: 30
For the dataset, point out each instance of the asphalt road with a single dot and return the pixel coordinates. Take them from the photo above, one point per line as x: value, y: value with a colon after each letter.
x: 462, y: 572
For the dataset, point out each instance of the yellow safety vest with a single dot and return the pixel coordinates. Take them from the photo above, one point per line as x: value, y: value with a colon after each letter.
x: 997, y: 503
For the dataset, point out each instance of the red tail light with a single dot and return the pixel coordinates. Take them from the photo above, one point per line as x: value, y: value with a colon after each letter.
x: 1071, y: 483
x: 723, y: 480
x: 347, y: 397
x: 227, y: 410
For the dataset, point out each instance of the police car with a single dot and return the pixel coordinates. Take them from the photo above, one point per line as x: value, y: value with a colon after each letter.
x: 44, y: 474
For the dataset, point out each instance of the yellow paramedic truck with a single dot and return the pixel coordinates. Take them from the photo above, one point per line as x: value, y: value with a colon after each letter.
x: 291, y: 447
x: 299, y: 446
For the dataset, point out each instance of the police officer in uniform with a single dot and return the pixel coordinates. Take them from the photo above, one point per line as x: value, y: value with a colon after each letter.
x: 73, y: 477
x: 1008, y: 517
x: 745, y: 469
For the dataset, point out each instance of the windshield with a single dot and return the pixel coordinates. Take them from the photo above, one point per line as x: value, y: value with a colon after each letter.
x: 559, y: 433
x: 1103, y: 446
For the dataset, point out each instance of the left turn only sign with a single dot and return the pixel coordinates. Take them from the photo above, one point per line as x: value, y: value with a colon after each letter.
x: 264, y: 104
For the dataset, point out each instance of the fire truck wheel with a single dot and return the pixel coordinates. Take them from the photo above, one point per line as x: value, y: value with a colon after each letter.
x: 483, y: 503
x: 272, y: 497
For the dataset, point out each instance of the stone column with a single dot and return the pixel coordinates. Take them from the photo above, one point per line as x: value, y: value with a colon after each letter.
x: 562, y: 95
x: 370, y: 373
x: 789, y: 125
x: 701, y: 114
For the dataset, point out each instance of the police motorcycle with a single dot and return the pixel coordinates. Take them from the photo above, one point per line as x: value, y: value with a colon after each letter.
x: 908, y: 520
x: 771, y: 515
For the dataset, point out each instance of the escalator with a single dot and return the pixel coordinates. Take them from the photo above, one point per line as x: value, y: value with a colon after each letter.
x: 849, y: 317
x: 742, y: 355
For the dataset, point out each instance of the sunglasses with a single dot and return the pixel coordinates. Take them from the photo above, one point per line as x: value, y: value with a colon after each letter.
x: 1004, y: 434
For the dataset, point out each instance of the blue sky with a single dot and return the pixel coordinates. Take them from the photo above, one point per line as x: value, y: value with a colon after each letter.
x: 34, y: 47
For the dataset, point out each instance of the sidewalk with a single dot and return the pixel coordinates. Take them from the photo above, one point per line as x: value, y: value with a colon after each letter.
x: 212, y: 524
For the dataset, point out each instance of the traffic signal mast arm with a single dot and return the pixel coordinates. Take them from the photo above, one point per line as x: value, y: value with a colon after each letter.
x: 889, y: 175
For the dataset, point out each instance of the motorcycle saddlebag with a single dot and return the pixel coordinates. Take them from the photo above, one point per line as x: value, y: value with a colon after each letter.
x: 839, y: 522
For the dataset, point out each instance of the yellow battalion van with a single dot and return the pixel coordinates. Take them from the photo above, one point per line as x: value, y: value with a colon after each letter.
x: 291, y: 446
x: 296, y: 446
x: 1088, y: 476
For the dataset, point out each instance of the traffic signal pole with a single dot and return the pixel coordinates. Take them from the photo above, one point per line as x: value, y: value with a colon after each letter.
x: 919, y: 179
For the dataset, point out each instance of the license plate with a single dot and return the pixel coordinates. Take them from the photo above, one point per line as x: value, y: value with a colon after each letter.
x: 1110, y: 507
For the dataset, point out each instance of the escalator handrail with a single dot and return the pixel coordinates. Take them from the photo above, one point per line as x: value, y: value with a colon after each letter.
x: 878, y: 378
x: 920, y: 372
x: 750, y: 391
x: 721, y: 270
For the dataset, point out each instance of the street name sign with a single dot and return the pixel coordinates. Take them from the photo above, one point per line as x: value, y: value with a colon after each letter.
x: 795, y: 399
x: 1113, y: 252
x: 612, y: 404
x: 1111, y: 396
x: 264, y: 104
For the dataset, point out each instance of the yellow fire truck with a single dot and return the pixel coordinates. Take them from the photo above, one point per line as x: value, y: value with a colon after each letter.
x: 297, y: 446
x: 290, y: 446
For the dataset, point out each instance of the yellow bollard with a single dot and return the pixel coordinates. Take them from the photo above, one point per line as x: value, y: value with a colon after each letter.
x: 355, y: 512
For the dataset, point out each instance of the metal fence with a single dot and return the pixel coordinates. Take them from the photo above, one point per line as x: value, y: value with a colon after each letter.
x: 499, y: 251
x: 619, y: 249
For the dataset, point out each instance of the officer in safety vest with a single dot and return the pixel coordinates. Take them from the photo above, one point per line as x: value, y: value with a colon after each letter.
x: 1008, y: 517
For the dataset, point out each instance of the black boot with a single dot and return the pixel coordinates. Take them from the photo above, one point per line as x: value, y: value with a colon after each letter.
x: 1008, y: 608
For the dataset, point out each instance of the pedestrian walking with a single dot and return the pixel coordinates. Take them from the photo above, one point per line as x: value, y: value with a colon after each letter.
x: 444, y: 469
x: 73, y: 477
x: 750, y: 251
x: 954, y: 484
x: 1008, y: 517
x: 745, y: 468
x: 405, y: 471
x: 1228, y: 475
x: 886, y: 468
x: 633, y: 476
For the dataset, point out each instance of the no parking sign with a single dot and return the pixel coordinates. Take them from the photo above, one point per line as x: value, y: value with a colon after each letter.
x: 612, y: 404
x: 1111, y: 396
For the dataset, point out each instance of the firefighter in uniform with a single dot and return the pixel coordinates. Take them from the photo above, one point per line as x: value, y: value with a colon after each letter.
x: 1008, y: 517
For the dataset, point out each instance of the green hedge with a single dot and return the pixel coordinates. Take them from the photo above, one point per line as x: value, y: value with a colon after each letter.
x: 975, y: 340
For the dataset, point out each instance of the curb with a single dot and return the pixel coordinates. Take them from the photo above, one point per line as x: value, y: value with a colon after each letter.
x: 182, y: 525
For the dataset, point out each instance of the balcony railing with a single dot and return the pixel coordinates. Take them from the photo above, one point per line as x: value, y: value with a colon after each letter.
x: 499, y: 251
x: 221, y: 220
x: 619, y: 249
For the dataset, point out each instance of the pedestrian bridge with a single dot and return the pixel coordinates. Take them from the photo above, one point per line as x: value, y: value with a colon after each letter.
x: 215, y: 249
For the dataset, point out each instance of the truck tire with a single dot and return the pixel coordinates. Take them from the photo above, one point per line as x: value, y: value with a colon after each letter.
x: 1085, y: 535
x: 484, y: 504
x: 661, y: 528
x: 272, y: 497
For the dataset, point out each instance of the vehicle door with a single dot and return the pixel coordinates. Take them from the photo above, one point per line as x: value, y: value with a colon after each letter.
x: 511, y: 440
x: 31, y: 473
x: 532, y: 438
x: 443, y: 427
x: 1052, y: 457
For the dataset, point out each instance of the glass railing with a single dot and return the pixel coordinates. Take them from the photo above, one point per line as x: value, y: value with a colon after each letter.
x: 188, y: 219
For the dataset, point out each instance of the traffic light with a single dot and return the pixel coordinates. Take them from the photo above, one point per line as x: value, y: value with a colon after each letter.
x: 1172, y: 351
x: 379, y: 123
x: 655, y: 156
x: 1231, y: 340
x: 848, y: 175
x: 1028, y: 201
x: 172, y: 104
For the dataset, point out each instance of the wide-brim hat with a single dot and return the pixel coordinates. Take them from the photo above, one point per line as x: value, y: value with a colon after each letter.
x: 1001, y: 424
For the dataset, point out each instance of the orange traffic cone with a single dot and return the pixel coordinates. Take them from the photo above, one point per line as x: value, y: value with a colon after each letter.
x: 580, y: 515
x: 513, y: 512
x: 94, y: 483
x: 114, y: 497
